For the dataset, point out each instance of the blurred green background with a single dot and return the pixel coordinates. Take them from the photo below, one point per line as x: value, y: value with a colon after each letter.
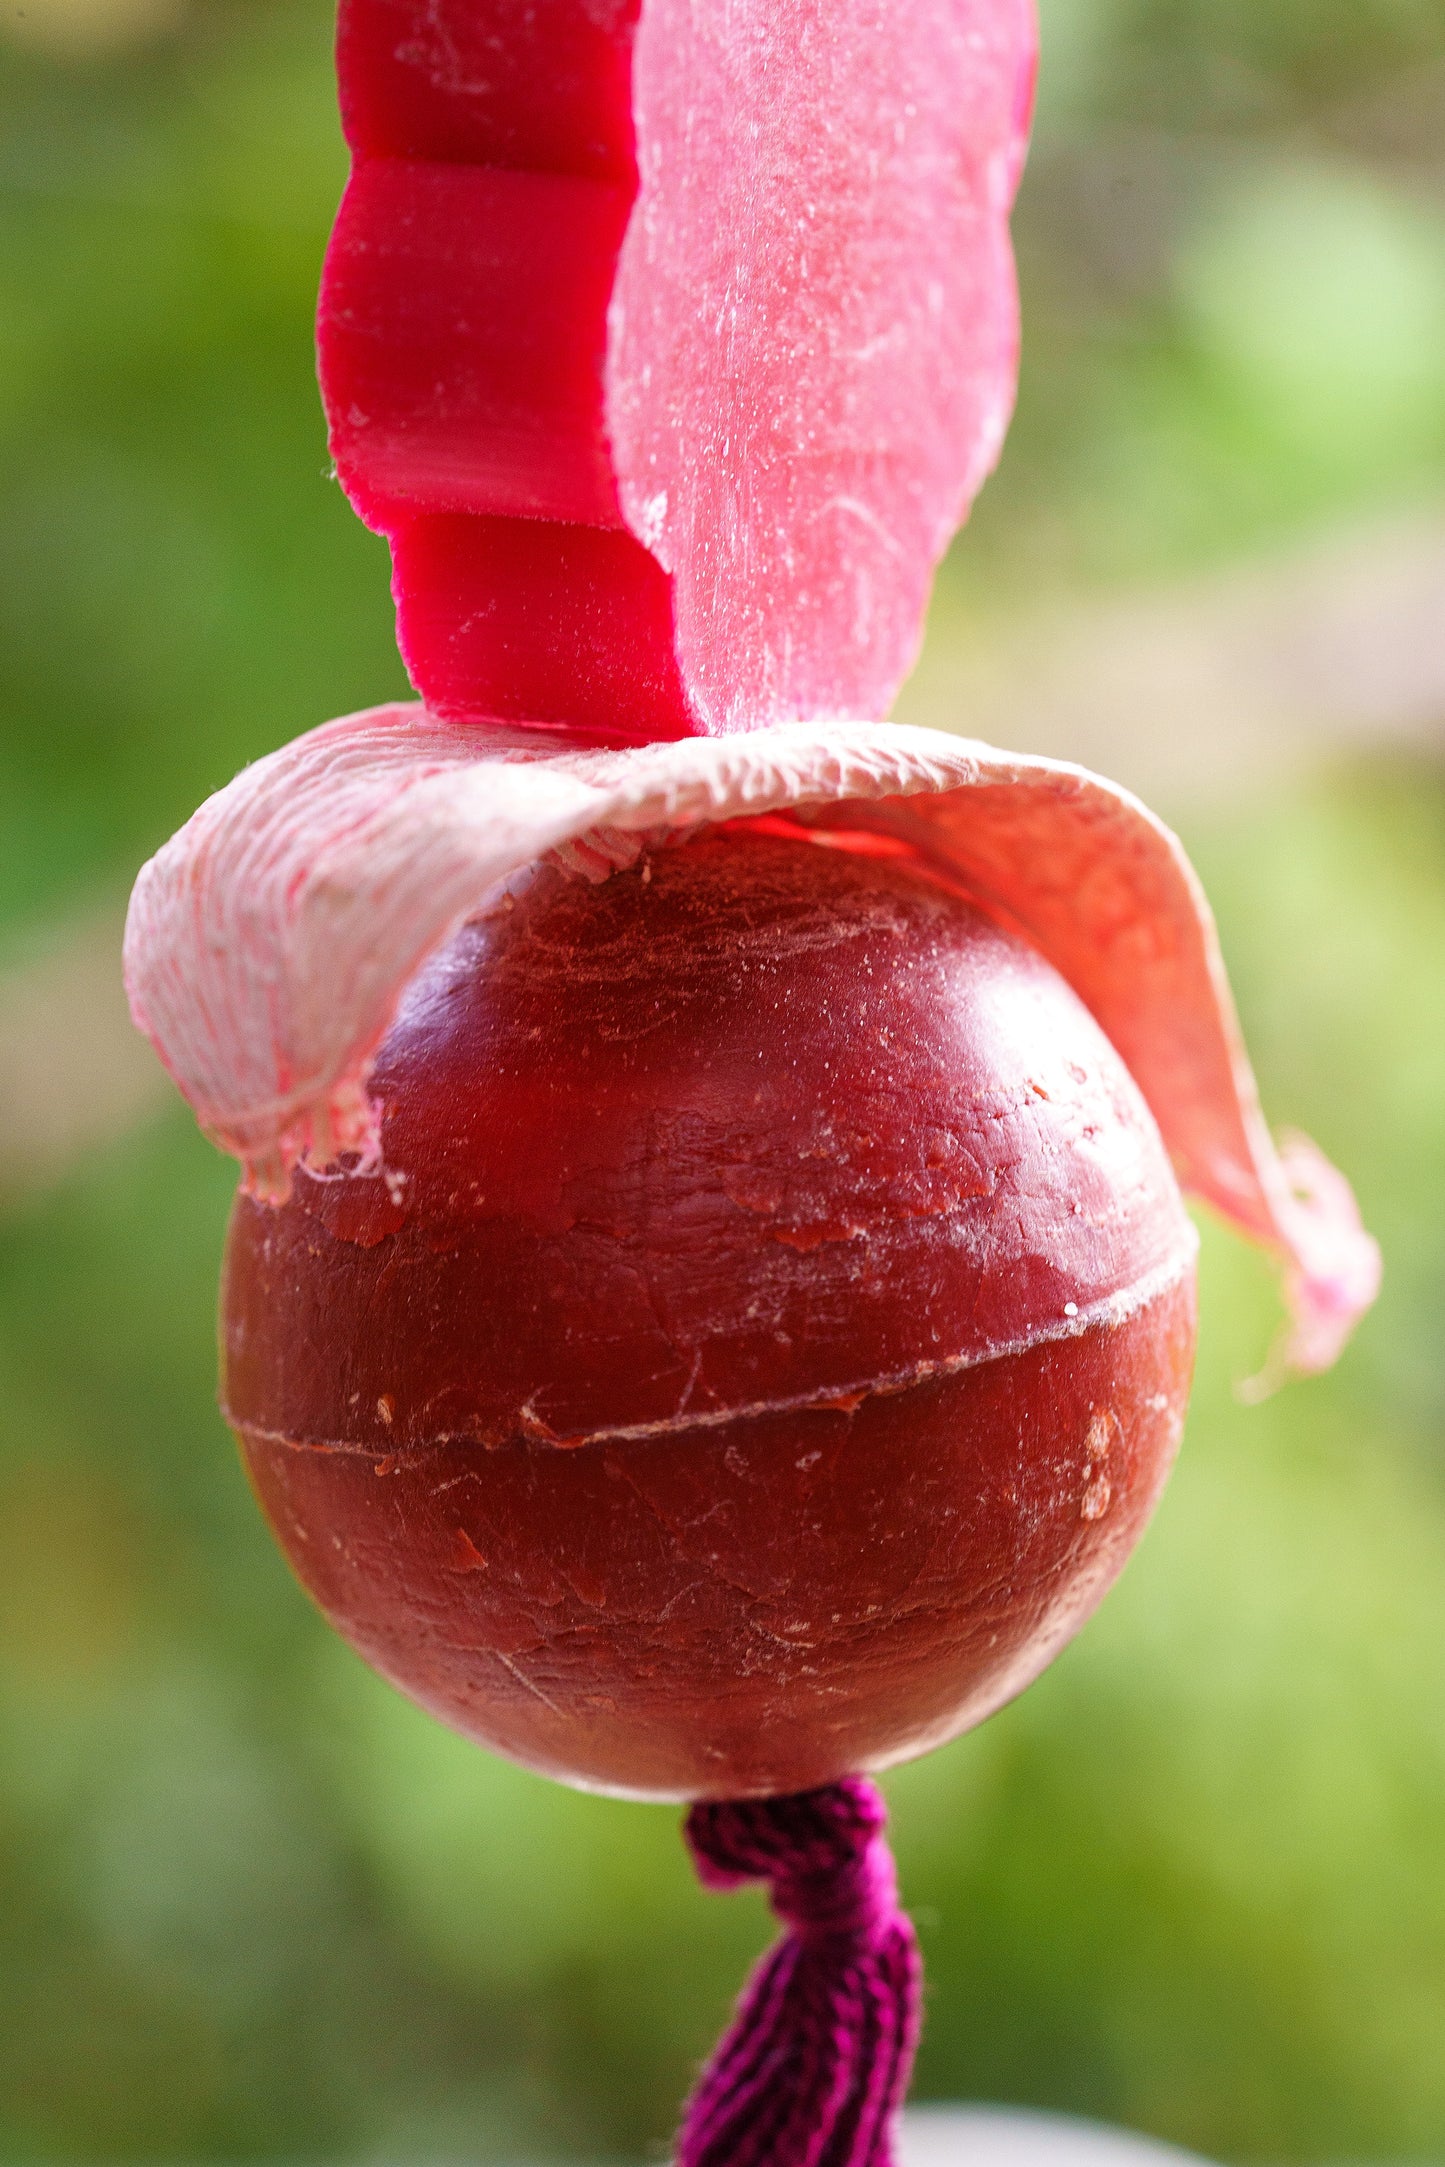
x: 251, y: 1905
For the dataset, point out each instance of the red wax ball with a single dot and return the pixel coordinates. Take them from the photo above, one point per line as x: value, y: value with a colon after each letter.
x: 763, y: 1344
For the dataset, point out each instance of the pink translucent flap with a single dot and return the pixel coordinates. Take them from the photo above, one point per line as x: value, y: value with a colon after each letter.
x: 270, y: 940
x: 669, y: 340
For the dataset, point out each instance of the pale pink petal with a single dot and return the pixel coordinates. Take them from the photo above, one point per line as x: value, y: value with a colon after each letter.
x: 813, y: 335
x: 1334, y: 1268
x: 670, y: 340
x: 269, y: 942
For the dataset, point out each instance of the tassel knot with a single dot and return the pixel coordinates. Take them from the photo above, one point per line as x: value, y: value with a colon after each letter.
x: 813, y: 2071
x: 823, y: 1851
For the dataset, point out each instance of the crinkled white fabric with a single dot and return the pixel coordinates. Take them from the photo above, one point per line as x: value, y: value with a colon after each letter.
x: 269, y: 941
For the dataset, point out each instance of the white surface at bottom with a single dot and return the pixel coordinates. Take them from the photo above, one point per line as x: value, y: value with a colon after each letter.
x: 1015, y: 2137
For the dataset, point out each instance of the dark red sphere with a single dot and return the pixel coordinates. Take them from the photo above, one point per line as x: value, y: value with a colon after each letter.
x: 765, y: 1341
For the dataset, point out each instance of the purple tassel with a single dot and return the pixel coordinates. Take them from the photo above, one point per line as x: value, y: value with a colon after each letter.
x: 814, y: 2069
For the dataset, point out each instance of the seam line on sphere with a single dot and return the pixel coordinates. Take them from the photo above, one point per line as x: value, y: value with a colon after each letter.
x: 1110, y: 1309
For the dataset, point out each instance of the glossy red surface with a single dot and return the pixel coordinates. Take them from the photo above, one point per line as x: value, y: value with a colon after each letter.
x: 543, y: 621
x: 460, y: 374
x: 763, y: 1346
x: 538, y: 85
